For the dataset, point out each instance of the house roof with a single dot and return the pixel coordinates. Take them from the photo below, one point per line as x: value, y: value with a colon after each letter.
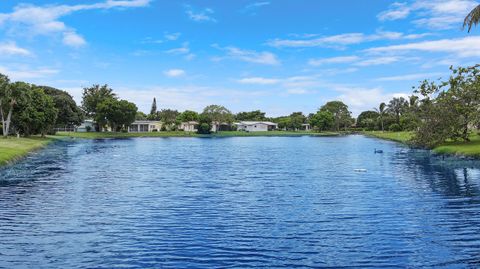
x: 256, y: 122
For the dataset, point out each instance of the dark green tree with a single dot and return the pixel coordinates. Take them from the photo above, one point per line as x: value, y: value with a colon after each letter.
x: 188, y: 115
x: 368, y: 120
x: 341, y: 114
x: 69, y: 114
x: 256, y: 115
x: 92, y: 97
x: 322, y: 120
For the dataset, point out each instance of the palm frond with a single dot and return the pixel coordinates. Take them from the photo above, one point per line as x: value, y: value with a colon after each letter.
x: 473, y: 18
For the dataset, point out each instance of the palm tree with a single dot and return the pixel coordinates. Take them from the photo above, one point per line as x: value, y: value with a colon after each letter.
x: 473, y: 18
x: 381, y: 111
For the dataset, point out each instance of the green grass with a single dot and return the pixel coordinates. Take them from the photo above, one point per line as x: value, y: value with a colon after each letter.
x: 94, y: 135
x: 12, y: 149
x: 402, y: 137
x: 470, y: 148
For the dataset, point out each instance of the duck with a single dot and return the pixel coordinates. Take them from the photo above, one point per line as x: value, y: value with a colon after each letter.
x: 378, y: 151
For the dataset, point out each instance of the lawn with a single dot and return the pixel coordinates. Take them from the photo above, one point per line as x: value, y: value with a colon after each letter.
x: 471, y: 148
x: 402, y: 137
x: 12, y: 149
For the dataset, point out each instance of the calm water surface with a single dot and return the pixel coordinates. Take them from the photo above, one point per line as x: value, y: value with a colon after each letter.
x: 264, y: 202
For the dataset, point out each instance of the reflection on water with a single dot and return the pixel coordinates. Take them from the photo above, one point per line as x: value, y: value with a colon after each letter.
x: 239, y: 202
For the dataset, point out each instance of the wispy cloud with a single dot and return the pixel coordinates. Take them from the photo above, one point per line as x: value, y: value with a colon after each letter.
x: 28, y: 73
x: 258, y: 81
x: 461, y: 47
x: 407, y: 77
x: 333, y: 60
x: 378, y: 61
x: 202, y: 15
x: 45, y: 20
x: 11, y: 48
x: 173, y: 73
x: 251, y: 56
x: 183, y: 50
x: 343, y: 40
x: 434, y: 14
x: 253, y: 8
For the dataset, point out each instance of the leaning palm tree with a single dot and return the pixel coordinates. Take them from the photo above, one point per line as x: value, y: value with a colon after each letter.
x: 473, y: 18
x: 381, y: 111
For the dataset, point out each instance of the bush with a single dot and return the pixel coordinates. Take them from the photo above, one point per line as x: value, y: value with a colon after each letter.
x: 154, y: 130
x: 89, y: 129
x: 395, y: 128
x: 163, y: 129
x: 204, y: 128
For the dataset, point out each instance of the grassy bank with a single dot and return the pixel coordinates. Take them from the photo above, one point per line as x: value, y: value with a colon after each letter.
x: 12, y: 149
x: 471, y: 148
x: 93, y: 135
x: 402, y: 137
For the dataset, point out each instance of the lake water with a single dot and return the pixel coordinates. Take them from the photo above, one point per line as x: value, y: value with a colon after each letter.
x: 251, y: 202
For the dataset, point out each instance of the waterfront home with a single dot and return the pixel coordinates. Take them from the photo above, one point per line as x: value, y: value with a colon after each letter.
x: 220, y: 126
x: 256, y: 126
x: 86, y: 126
x: 306, y: 127
x: 189, y: 126
x: 143, y: 126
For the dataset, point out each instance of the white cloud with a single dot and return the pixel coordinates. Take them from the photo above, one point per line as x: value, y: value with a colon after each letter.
x: 360, y: 99
x: 251, y: 56
x: 173, y: 73
x: 45, y: 20
x: 72, y: 39
x: 378, y: 61
x: 461, y: 47
x: 342, y: 40
x: 258, y: 81
x: 333, y: 60
x: 172, y: 37
x: 297, y: 91
x: 204, y: 15
x: 184, y: 49
x: 395, y: 12
x: 407, y: 77
x: 25, y: 73
x: 253, y: 7
x: 434, y: 14
x: 11, y: 48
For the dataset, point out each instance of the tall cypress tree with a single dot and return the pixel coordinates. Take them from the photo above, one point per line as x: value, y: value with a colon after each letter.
x: 153, y: 111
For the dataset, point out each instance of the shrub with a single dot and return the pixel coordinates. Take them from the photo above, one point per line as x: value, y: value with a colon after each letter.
x: 89, y: 129
x: 395, y: 127
x: 204, y: 128
x: 154, y: 130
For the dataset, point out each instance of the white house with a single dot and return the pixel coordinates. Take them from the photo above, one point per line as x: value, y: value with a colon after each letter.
x: 143, y: 126
x: 256, y: 126
x: 189, y: 126
x: 86, y: 126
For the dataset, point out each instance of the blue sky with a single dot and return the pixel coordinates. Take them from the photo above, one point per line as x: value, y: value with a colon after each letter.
x: 279, y: 56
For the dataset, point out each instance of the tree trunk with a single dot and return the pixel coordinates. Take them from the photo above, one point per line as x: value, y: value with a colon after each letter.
x: 7, y: 122
x: 4, y: 133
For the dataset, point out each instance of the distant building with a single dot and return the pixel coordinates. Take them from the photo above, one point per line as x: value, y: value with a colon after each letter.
x: 306, y: 127
x: 144, y: 126
x: 256, y: 126
x: 86, y: 126
x: 189, y: 126
x: 220, y: 126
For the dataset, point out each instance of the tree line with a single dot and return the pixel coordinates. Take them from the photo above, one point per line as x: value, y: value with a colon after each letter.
x: 437, y: 111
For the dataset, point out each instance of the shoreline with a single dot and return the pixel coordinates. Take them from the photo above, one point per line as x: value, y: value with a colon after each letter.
x: 13, y: 150
x: 469, y: 149
x: 104, y: 135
